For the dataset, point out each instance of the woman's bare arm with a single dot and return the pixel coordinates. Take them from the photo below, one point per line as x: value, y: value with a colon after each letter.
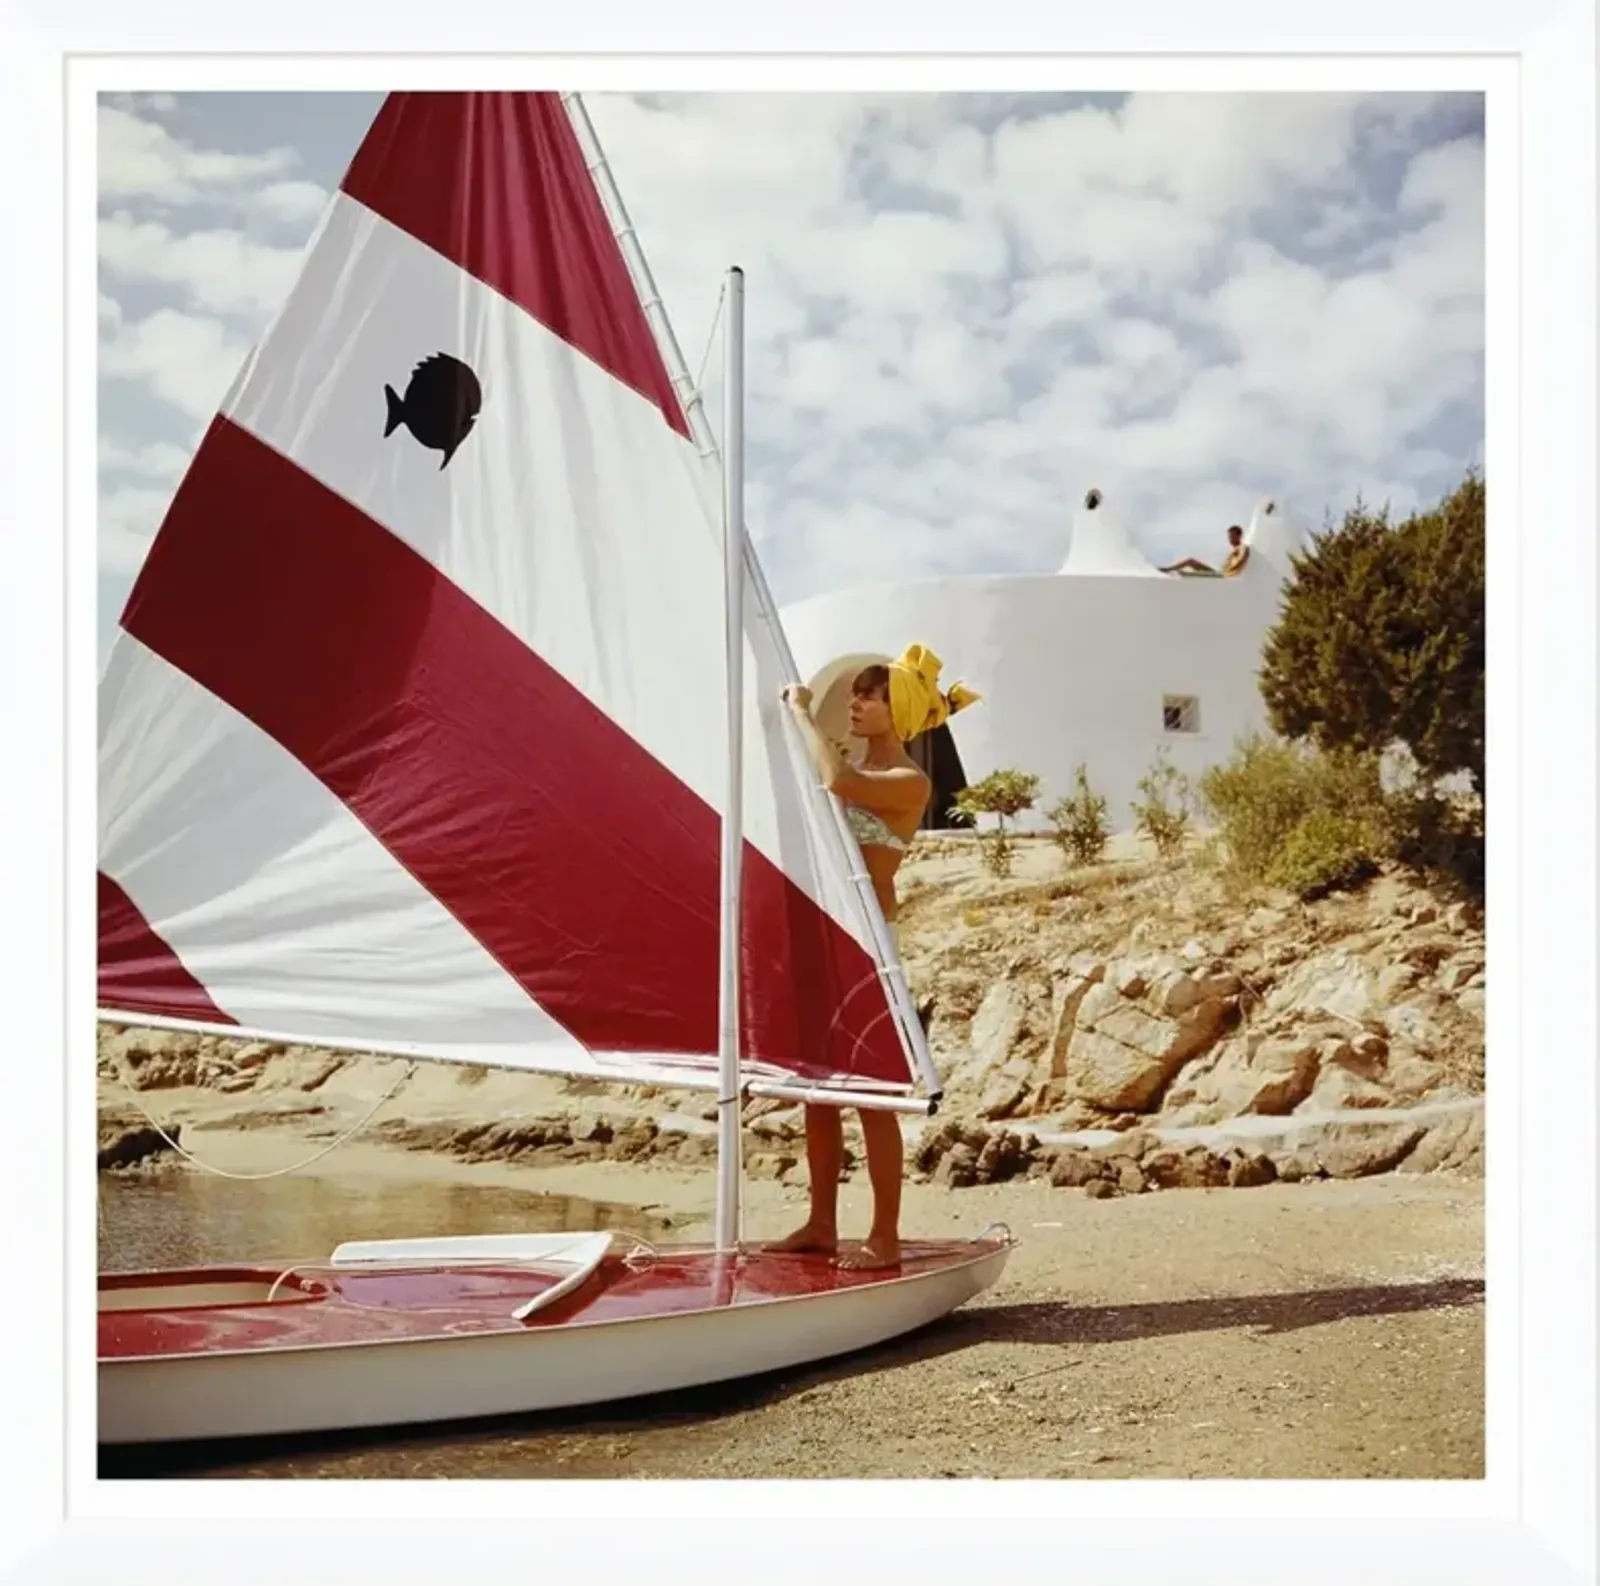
x: 890, y: 792
x: 826, y: 757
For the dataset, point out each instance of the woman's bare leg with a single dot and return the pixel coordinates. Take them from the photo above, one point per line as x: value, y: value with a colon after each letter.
x: 886, y: 1170
x: 824, y: 1158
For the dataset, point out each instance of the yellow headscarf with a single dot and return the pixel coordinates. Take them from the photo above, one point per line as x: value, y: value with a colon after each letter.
x: 915, y: 703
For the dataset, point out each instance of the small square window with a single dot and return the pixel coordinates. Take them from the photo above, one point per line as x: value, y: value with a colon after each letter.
x: 1180, y: 713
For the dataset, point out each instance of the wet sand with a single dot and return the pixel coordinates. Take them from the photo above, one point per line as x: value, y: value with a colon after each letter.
x: 1317, y: 1330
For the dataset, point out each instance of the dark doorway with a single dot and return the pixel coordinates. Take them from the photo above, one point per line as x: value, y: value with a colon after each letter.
x: 935, y: 752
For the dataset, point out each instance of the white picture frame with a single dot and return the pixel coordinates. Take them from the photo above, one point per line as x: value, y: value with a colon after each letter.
x: 1531, y: 1519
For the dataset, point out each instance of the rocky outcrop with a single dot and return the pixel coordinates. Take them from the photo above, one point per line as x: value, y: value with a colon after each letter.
x: 1364, y: 1003
x: 1080, y: 1030
x: 173, y: 1060
x: 127, y: 1139
x: 1116, y: 1029
x: 1454, y: 1144
x: 1136, y: 1029
x: 1142, y: 1160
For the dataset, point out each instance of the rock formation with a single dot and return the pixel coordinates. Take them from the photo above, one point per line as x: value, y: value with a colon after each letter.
x: 1116, y: 1028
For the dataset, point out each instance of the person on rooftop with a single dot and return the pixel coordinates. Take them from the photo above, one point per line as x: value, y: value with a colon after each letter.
x: 1238, y: 555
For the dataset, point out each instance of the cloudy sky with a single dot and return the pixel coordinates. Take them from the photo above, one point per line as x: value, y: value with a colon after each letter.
x: 963, y: 310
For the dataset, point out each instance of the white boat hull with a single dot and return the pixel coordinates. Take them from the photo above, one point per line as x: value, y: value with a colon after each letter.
x: 409, y: 1380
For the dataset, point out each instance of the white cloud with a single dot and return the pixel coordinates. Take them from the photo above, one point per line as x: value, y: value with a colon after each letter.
x: 186, y: 360
x: 160, y: 460
x: 1236, y: 356
x: 140, y: 158
x: 224, y: 272
x: 1442, y: 260
x: 963, y: 312
x: 142, y: 104
x: 1055, y: 298
x: 296, y: 203
x: 129, y: 518
x: 864, y: 540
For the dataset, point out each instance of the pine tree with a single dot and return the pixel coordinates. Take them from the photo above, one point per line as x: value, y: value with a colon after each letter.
x: 1439, y: 704
x: 1381, y: 636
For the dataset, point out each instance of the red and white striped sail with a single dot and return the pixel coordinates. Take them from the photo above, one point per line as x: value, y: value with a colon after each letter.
x: 430, y: 757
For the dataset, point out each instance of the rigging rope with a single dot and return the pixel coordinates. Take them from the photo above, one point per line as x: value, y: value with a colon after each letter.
x: 280, y: 1172
x: 711, y: 338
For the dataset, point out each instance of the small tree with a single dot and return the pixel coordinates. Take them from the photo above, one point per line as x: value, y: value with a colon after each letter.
x: 1080, y: 821
x: 1005, y: 795
x: 1163, y: 813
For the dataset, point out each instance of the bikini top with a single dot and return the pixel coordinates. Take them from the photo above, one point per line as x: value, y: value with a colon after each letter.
x: 866, y: 828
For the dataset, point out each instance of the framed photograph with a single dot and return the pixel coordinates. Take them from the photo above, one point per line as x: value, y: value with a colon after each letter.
x: 999, y: 265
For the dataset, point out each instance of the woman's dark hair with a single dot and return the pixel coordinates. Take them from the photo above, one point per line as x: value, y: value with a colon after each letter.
x: 873, y: 680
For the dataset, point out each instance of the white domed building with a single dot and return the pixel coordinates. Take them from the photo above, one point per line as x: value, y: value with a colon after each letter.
x: 1103, y: 663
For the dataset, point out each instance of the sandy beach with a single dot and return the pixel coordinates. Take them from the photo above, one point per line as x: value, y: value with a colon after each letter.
x: 1309, y: 1330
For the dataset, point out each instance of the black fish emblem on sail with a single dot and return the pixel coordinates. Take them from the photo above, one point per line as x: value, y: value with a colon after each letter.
x: 440, y: 406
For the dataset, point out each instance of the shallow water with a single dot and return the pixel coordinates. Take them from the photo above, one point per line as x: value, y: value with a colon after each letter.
x: 180, y: 1218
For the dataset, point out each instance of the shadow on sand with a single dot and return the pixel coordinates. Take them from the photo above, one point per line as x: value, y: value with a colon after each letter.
x: 1030, y: 1322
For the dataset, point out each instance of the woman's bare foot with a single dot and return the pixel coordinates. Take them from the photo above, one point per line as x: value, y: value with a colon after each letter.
x: 873, y: 1253
x: 809, y: 1237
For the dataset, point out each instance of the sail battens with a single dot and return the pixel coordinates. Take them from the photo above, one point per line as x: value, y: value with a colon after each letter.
x: 415, y: 729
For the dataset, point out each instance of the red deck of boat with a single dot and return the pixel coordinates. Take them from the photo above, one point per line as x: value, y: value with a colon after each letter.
x: 347, y: 1306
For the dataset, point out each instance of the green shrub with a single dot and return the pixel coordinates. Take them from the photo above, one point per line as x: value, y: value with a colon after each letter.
x: 1324, y: 852
x: 1269, y: 790
x: 1291, y: 815
x: 1163, y: 813
x: 1005, y: 795
x: 1080, y: 821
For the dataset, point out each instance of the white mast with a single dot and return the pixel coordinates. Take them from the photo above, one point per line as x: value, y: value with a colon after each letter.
x: 728, y: 1154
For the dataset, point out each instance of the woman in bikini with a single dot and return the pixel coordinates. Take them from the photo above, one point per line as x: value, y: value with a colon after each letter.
x: 884, y: 795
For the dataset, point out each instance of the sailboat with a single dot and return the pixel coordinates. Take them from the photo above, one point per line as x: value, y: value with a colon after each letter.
x: 443, y: 723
